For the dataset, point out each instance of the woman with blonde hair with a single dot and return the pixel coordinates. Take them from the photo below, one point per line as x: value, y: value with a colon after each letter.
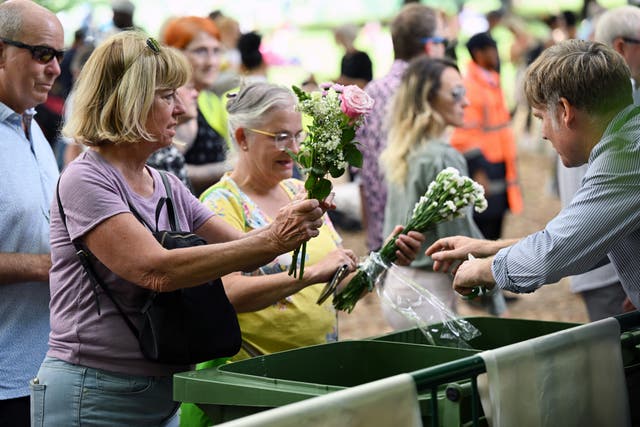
x: 430, y: 98
x: 126, y: 108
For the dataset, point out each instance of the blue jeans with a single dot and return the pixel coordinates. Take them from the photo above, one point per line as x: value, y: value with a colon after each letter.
x: 72, y: 395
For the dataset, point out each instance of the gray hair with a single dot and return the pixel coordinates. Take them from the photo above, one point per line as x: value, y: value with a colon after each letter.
x: 347, y: 32
x: 11, y: 20
x: 623, y: 21
x: 254, y: 101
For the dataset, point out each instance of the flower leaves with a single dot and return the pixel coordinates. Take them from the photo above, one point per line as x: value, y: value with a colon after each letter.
x: 352, y: 155
x: 302, y: 95
x: 317, y: 187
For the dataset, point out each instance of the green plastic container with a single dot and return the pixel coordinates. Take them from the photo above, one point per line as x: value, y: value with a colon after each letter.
x: 249, y: 386
x: 495, y: 332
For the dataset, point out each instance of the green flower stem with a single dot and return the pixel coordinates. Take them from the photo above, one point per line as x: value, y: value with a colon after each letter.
x: 424, y: 218
x: 313, y: 187
x: 293, y: 268
x: 302, y: 258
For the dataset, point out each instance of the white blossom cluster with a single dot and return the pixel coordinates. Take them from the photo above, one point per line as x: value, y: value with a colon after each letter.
x: 446, y: 197
x: 325, y: 135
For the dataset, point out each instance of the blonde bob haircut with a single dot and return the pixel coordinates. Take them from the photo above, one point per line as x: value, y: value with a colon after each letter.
x: 116, y: 87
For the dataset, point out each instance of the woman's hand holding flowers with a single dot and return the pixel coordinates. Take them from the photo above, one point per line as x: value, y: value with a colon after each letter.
x: 323, y: 270
x: 407, y: 245
x: 446, y: 198
x: 295, y: 223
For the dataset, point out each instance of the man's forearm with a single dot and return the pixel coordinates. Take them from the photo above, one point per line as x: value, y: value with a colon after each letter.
x: 496, y: 245
x: 17, y: 267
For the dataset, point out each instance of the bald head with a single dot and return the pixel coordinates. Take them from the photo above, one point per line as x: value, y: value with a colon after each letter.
x: 19, y: 17
x: 32, y: 38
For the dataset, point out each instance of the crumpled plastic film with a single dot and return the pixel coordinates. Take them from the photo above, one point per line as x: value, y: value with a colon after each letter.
x: 373, y: 266
x: 441, y: 323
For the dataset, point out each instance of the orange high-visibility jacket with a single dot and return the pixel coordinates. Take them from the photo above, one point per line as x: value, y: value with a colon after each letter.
x: 487, y: 127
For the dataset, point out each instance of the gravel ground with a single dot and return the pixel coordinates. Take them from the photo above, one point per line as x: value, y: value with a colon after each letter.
x: 552, y: 302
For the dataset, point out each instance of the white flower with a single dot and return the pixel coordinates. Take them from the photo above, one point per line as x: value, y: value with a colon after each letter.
x: 450, y: 205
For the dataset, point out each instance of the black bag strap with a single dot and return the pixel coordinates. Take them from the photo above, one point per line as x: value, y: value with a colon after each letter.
x: 174, y: 222
x: 84, y: 256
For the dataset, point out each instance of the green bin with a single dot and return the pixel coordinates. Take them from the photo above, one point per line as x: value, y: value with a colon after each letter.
x: 495, y: 332
x: 245, y: 387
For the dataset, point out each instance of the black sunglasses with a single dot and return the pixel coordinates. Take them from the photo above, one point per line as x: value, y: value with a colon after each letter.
x: 42, y: 54
x: 631, y: 40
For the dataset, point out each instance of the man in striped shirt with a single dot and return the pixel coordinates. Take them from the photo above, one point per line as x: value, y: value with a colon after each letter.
x: 581, y: 92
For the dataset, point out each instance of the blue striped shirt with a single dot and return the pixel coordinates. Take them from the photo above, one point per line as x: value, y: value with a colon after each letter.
x: 602, y: 219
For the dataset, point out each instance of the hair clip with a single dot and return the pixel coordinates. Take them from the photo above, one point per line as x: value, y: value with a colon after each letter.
x: 153, y: 45
x: 232, y: 95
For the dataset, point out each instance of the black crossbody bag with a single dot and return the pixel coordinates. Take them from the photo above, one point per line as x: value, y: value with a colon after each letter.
x: 185, y: 326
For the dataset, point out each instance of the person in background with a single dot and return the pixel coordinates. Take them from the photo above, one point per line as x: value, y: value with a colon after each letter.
x: 277, y: 311
x: 199, y: 39
x: 31, y: 43
x: 71, y: 149
x: 122, y: 19
x: 231, y: 61
x: 581, y: 92
x: 620, y: 29
x: 127, y: 108
x: 523, y: 43
x: 355, y: 65
x: 416, y: 30
x: 486, y: 138
x: 430, y: 98
x: 600, y: 288
x: 66, y: 78
x: 52, y: 112
x: 570, y: 23
x: 253, y: 66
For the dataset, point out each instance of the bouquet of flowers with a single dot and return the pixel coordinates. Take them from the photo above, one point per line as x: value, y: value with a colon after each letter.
x: 444, y: 200
x: 330, y: 148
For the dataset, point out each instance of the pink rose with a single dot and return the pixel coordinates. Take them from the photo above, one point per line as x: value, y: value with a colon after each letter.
x: 355, y: 102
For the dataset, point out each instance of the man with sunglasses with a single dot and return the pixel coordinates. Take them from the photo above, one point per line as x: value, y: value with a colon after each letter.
x: 31, y: 41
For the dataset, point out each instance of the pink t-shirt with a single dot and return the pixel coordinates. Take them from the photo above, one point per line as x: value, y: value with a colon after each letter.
x: 91, y: 191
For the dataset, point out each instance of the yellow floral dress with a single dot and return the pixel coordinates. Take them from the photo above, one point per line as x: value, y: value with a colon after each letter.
x: 294, y: 321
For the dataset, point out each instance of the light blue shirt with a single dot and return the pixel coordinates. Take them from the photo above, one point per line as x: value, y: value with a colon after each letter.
x: 602, y: 219
x: 28, y: 174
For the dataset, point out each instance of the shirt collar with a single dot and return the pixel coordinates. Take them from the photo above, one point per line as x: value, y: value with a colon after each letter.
x: 7, y: 114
